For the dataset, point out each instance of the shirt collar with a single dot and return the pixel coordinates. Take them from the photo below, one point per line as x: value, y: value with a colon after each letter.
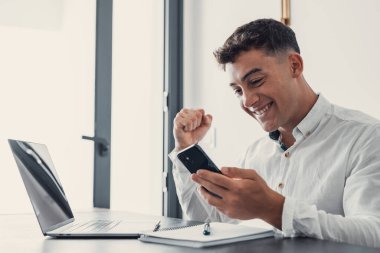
x: 313, y: 118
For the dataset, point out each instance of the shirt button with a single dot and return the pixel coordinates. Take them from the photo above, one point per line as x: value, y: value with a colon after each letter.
x: 281, y: 185
x: 287, y: 154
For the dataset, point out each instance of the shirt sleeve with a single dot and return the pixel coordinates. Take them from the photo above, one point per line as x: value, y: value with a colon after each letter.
x: 360, y: 223
x: 192, y: 203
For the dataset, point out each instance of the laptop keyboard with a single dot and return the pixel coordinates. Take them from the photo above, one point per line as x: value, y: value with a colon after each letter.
x: 92, y: 226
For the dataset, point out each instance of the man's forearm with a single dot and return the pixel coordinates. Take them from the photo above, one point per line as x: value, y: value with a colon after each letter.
x: 305, y: 219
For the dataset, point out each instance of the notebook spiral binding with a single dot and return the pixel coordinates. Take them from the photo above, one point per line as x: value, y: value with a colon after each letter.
x: 175, y: 228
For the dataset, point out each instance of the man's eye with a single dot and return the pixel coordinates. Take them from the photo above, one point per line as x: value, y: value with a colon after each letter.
x: 237, y: 92
x: 255, y: 83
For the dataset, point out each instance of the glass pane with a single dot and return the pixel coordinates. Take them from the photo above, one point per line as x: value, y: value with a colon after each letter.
x: 137, y: 106
x: 47, y: 64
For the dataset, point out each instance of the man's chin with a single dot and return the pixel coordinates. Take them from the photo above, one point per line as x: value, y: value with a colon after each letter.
x: 268, y: 126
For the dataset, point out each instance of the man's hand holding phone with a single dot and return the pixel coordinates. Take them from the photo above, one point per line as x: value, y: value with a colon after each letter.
x: 238, y: 193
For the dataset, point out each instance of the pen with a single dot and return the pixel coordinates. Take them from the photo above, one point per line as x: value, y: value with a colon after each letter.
x: 206, y: 229
x: 157, y: 227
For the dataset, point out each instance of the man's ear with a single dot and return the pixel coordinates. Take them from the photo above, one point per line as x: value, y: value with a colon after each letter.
x: 296, y: 64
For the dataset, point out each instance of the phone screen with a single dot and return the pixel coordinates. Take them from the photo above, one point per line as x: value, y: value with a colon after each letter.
x: 194, y: 158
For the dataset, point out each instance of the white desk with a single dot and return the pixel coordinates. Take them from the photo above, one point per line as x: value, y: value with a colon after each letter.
x: 22, y: 234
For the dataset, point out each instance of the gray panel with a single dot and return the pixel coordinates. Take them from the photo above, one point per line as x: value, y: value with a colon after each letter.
x: 173, y: 94
x: 103, y: 92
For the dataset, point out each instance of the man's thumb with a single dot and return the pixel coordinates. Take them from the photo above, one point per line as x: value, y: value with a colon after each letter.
x: 207, y: 120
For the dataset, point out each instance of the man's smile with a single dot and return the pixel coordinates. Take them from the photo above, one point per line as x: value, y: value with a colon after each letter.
x: 262, y: 110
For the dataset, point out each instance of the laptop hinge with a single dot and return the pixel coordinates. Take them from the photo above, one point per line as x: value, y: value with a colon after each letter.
x: 58, y: 225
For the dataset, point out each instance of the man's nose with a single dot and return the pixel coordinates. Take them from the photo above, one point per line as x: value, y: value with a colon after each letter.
x: 250, y: 99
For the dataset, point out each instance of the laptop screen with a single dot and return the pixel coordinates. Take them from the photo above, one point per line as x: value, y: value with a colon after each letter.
x: 42, y: 183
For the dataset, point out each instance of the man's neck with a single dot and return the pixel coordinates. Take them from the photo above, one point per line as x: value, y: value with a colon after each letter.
x: 307, y: 101
x: 287, y: 139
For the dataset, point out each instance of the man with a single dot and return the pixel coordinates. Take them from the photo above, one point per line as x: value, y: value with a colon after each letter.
x: 317, y: 174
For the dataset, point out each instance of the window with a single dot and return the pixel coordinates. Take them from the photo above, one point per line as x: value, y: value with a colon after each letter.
x: 48, y: 70
x: 47, y: 93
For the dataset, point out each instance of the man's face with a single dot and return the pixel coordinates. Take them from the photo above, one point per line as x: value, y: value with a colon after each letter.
x: 266, y: 88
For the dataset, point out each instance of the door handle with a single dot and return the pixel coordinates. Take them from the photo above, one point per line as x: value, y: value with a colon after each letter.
x: 103, y: 144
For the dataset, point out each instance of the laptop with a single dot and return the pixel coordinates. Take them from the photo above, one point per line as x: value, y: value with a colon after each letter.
x: 51, y: 206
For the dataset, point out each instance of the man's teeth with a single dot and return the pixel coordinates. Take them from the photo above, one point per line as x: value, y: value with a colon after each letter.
x: 262, y: 111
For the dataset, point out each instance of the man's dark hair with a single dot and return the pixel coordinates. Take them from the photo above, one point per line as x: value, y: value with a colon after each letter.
x: 265, y: 34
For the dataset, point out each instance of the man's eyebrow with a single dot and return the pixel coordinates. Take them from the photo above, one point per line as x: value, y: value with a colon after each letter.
x: 252, y: 71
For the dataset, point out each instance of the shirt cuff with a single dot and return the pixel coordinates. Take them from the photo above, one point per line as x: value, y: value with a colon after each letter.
x: 288, y: 217
x: 180, y: 173
x: 178, y: 164
x: 173, y: 155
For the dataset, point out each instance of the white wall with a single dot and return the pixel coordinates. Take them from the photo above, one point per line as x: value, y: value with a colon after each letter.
x: 47, y: 70
x: 338, y: 40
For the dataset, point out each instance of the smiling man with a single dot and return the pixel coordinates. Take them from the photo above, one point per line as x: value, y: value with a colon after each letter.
x: 316, y: 173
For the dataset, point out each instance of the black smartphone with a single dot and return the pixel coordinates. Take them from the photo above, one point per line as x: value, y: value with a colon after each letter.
x: 195, y: 158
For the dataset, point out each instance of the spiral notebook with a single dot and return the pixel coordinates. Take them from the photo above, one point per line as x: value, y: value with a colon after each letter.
x: 192, y: 236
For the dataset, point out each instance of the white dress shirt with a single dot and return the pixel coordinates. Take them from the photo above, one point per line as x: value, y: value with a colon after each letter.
x: 330, y: 177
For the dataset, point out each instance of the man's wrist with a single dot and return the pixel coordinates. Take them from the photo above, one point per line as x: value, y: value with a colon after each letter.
x: 178, y: 148
x: 275, y: 208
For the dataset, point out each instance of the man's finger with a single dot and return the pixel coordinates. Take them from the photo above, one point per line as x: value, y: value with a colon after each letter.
x: 218, y: 190
x: 206, y: 120
x: 216, y: 178
x: 212, y: 200
x: 240, y: 173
